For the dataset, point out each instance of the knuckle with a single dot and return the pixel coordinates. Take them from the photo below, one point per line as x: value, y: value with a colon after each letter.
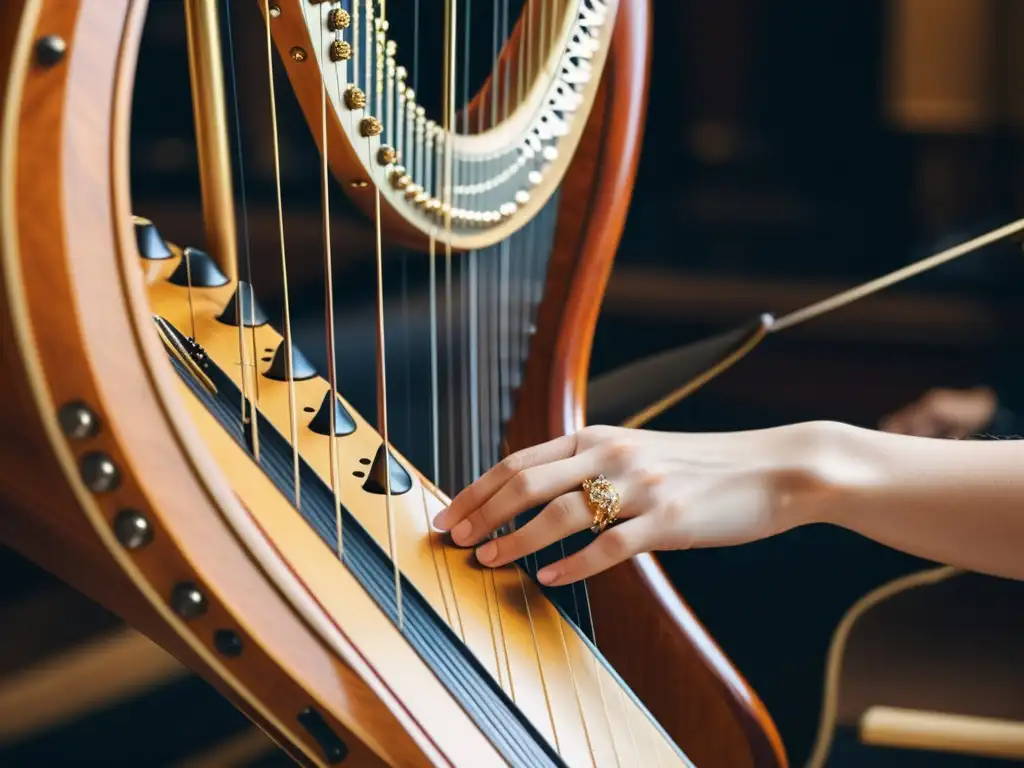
x: 511, y: 465
x: 525, y: 484
x: 616, y: 544
x: 649, y: 479
x: 595, y: 433
x: 560, y: 512
x: 620, y: 452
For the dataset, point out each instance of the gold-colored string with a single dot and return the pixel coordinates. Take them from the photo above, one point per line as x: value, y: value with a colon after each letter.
x: 254, y: 416
x: 629, y: 725
x: 187, y: 254
x: 433, y: 559
x: 576, y: 691
x: 604, y: 706
x: 289, y: 375
x: 540, y: 665
x: 382, y: 379
x: 382, y: 400
x: 332, y: 374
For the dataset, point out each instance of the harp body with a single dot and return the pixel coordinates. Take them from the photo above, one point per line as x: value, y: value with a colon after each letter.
x: 119, y: 472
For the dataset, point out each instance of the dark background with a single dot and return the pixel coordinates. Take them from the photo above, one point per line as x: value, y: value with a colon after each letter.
x: 773, y: 174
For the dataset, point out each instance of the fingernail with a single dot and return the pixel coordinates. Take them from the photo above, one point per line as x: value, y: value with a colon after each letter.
x: 439, y: 519
x: 487, y: 552
x: 461, y: 531
x: 547, y: 575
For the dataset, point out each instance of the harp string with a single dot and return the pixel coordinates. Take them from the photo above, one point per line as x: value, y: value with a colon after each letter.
x: 248, y: 406
x: 289, y: 368
x: 332, y: 371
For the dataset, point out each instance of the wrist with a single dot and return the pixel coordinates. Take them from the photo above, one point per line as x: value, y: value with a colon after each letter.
x: 841, y: 465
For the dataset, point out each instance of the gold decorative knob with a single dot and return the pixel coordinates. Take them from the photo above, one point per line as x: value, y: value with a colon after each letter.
x: 370, y: 126
x: 387, y: 155
x: 399, y: 178
x: 338, y: 19
x: 340, y: 51
x: 354, y: 97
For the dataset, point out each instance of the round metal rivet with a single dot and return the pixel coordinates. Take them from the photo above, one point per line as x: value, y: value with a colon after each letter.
x: 275, y: 11
x: 227, y: 643
x: 50, y: 50
x: 298, y: 54
x: 132, y: 529
x: 188, y: 601
x: 78, y: 421
x: 99, y: 472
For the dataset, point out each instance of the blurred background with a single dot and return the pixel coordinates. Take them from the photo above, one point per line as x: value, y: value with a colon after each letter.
x: 792, y: 150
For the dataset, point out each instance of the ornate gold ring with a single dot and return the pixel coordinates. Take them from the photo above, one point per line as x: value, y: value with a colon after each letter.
x: 603, y: 500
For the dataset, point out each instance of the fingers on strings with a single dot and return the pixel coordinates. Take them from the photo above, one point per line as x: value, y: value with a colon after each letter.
x: 549, y: 474
x: 498, y: 477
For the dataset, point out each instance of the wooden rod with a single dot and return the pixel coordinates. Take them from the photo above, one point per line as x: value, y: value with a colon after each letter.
x: 942, y: 732
x: 206, y: 70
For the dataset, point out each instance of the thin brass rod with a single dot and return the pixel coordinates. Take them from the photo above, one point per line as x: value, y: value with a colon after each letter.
x: 1013, y: 229
x: 206, y: 70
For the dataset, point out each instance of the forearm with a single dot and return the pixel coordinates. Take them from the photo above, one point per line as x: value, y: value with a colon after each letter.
x: 952, y: 501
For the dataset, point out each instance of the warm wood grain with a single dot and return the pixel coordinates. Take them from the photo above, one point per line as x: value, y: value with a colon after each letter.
x: 77, y: 313
x: 642, y: 625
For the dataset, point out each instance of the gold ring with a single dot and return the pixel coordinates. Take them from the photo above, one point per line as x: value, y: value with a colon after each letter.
x: 603, y: 500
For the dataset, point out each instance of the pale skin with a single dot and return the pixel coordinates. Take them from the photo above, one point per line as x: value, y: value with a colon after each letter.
x: 951, y: 501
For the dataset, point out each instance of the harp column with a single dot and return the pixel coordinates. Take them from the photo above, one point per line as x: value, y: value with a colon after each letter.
x: 206, y: 71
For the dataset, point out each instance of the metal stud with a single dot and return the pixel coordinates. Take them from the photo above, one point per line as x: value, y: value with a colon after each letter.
x: 227, y: 643
x: 387, y: 155
x: 298, y: 54
x: 78, y: 421
x: 99, y: 472
x: 50, y: 50
x: 132, y: 529
x: 188, y: 601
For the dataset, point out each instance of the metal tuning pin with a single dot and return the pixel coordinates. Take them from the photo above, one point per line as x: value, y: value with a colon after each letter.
x: 197, y: 269
x: 338, y: 19
x: 341, y: 50
x: 370, y: 126
x: 302, y: 369
x: 344, y: 424
x: 253, y: 315
x: 377, y: 477
x: 354, y: 97
x: 148, y: 241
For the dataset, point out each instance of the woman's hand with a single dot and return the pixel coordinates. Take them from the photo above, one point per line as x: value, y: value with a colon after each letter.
x: 676, y: 491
